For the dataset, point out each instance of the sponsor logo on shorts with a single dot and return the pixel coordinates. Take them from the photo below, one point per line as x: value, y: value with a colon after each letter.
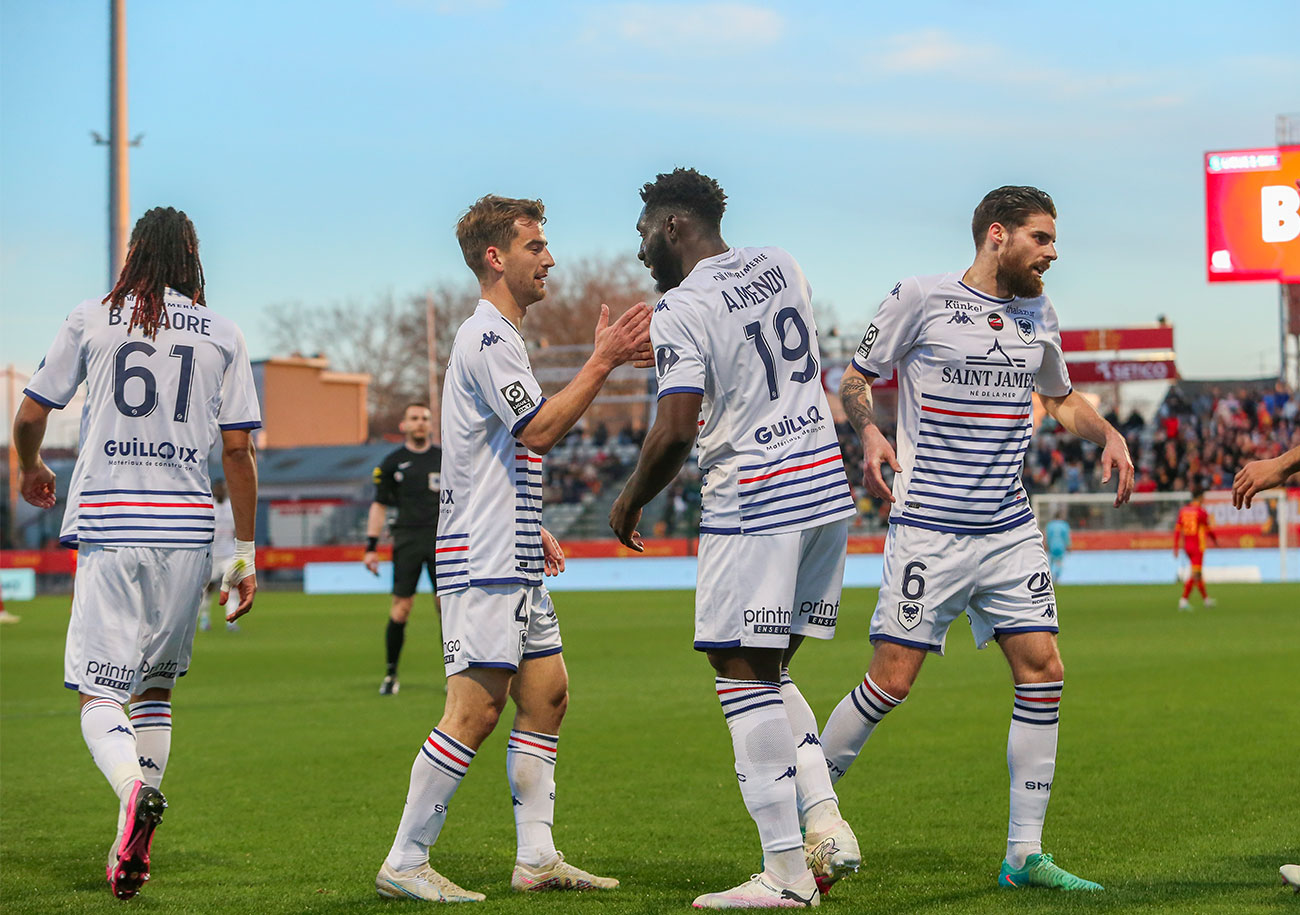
x: 820, y: 612
x: 163, y: 670
x: 765, y: 621
x: 517, y: 396
x: 910, y: 613
x: 1040, y: 588
x: 449, y: 649
x: 114, y: 675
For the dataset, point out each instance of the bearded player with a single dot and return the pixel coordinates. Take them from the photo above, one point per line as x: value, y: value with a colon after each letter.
x: 738, y: 363
x: 970, y: 349
x: 1193, y: 529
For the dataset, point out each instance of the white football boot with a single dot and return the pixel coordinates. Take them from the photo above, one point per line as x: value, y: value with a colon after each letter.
x: 832, y: 854
x: 764, y: 891
x: 422, y: 883
x: 557, y: 874
x: 1291, y: 875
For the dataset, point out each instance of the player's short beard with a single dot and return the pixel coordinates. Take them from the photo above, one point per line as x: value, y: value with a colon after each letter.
x: 668, y: 273
x: 1020, y: 280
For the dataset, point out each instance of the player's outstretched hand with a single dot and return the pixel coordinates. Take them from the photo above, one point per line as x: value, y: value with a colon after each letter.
x: 627, y: 339
x: 552, y: 554
x: 1255, y: 477
x: 247, y: 589
x: 1116, y: 457
x: 371, y: 562
x: 623, y: 521
x: 876, y: 451
x: 37, y: 485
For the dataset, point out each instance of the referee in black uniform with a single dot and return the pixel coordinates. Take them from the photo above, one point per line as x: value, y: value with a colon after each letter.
x: 408, y: 480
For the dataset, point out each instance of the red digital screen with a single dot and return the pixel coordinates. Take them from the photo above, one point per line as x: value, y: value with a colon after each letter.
x: 1252, y: 214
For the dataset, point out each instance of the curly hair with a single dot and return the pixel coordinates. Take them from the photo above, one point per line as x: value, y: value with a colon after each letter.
x: 689, y: 190
x: 164, y: 251
x: 1011, y: 206
x: 490, y: 223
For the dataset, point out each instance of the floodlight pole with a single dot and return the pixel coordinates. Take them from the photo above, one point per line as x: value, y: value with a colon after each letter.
x: 119, y: 169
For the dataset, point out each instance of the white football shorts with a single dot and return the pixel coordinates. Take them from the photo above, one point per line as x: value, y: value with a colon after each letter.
x: 497, y: 626
x: 133, y: 621
x: 1001, y: 581
x: 756, y: 590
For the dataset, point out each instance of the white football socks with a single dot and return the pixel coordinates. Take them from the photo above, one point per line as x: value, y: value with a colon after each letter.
x: 1031, y: 760
x: 152, y: 722
x: 530, y: 767
x: 439, y: 766
x: 108, y: 734
x: 766, y: 769
x: 851, y: 724
x: 818, y: 807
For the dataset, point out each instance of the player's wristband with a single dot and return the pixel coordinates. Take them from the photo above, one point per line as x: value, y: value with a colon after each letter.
x: 372, y: 544
x: 242, y: 566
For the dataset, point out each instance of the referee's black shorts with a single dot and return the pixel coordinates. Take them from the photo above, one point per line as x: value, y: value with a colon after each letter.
x: 413, y: 550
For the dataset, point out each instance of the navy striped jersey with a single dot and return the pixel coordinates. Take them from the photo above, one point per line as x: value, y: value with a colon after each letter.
x: 967, y: 366
x: 739, y: 330
x: 153, y: 411
x: 490, y: 516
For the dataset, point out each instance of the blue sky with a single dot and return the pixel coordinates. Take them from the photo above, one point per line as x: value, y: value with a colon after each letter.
x: 325, y: 149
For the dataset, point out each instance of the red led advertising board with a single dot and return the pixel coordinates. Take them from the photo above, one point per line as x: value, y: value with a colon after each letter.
x: 1252, y: 214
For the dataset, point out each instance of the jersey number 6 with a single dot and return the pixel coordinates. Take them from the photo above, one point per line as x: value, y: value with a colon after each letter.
x: 800, y: 352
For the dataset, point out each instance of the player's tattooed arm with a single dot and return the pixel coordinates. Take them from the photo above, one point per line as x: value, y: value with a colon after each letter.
x: 855, y: 396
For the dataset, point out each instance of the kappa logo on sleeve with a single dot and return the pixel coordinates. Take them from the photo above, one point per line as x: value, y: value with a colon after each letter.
x: 868, y: 341
x: 517, y: 396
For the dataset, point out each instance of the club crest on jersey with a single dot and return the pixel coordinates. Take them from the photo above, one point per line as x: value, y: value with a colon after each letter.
x: 995, y: 321
x: 868, y: 341
x: 1025, y: 328
x: 909, y: 614
x: 517, y: 397
x: 665, y: 358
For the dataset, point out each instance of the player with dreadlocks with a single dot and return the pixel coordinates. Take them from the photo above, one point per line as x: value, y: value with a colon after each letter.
x: 161, y: 387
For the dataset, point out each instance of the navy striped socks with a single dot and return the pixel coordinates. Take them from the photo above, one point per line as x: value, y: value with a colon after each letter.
x: 152, y: 722
x: 530, y: 767
x: 1031, y: 761
x: 766, y: 770
x: 851, y: 724
x: 439, y: 766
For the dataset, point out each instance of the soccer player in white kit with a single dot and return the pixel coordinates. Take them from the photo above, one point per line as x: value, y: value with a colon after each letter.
x: 165, y: 377
x: 500, y: 634
x: 969, y: 349
x: 734, y: 337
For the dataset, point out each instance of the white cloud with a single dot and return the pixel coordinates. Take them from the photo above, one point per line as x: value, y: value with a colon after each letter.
x: 690, y: 24
x: 930, y: 51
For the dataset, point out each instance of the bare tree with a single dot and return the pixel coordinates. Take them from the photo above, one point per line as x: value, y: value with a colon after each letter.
x: 388, y: 337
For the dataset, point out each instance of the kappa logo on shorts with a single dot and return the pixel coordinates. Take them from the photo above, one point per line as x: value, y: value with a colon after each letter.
x: 1049, y: 612
x: 517, y: 396
x: 909, y: 613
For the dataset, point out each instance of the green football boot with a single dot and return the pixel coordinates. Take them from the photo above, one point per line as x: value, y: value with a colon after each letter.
x: 1039, y: 870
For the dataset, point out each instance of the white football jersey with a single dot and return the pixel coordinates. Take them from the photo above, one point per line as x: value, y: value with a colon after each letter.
x: 153, y: 412
x: 967, y: 364
x: 740, y: 330
x: 490, y: 516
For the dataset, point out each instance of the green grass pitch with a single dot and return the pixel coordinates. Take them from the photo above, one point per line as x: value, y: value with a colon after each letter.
x: 1178, y: 782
